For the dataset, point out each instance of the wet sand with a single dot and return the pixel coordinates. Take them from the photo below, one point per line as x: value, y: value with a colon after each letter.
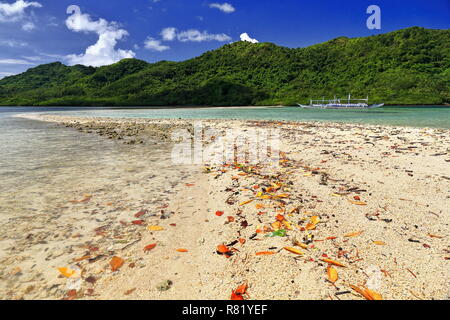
x: 374, y: 199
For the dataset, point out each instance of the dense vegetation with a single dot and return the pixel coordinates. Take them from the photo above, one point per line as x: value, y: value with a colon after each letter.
x: 409, y: 66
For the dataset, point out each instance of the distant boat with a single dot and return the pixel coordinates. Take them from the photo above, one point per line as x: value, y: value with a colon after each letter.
x: 348, y: 103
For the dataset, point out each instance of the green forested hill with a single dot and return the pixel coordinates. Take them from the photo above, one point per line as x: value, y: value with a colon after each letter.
x: 409, y: 66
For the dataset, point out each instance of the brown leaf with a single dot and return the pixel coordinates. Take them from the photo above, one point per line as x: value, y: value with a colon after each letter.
x: 128, y: 292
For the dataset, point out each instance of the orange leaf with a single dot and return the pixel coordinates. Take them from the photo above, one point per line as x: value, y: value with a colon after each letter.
x: 222, y: 248
x: 230, y: 219
x: 280, y: 217
x: 315, y: 219
x: 332, y: 274
x: 241, y: 240
x: 310, y: 226
x: 263, y: 253
x: 353, y: 234
x: 182, y: 250
x: 380, y: 243
x: 219, y: 213
x: 367, y: 293
x: 116, y: 263
x: 149, y: 247
x: 235, y: 296
x: 336, y: 263
x: 242, y: 289
x: 66, y: 272
x: 373, y: 294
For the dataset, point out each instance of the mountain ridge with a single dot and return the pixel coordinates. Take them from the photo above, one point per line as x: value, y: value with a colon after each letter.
x: 407, y: 66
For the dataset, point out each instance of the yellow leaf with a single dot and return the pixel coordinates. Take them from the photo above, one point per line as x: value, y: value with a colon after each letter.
x: 332, y: 274
x: 276, y: 225
x: 155, y: 228
x: 245, y: 202
x: 353, y: 234
x: 308, y: 174
x: 259, y: 194
x: 359, y: 203
x: 293, y: 250
x: 283, y: 195
x: 374, y: 295
x: 336, y: 195
x: 66, y: 272
x: 287, y: 224
x: 315, y: 219
x: 266, y: 196
x: 380, y: 243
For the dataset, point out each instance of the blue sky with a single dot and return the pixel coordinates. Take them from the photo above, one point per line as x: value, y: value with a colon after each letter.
x: 101, y: 32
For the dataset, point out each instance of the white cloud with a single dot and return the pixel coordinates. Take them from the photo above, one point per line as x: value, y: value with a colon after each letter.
x: 246, y: 37
x: 15, y: 61
x: 200, y: 36
x: 224, y: 7
x: 28, y: 26
x: 13, y: 43
x: 169, y: 34
x: 192, y: 35
x: 103, y: 52
x: 15, y: 11
x: 155, y: 45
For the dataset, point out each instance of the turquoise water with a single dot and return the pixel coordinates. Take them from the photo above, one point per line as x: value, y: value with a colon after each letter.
x: 430, y: 116
x: 434, y: 117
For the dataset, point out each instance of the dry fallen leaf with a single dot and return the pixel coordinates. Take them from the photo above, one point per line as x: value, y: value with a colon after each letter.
x: 66, y: 272
x: 155, y: 228
x: 245, y: 202
x: 222, y: 248
x: 358, y: 203
x: 353, y: 234
x: 116, y: 263
x: 332, y: 274
x: 380, y: 243
x: 263, y: 253
x: 182, y: 250
x: 336, y: 263
x: 293, y: 250
x: 149, y: 247
x: 367, y: 293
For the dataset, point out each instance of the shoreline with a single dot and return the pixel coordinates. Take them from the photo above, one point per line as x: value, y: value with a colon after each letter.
x: 210, y: 107
x: 368, y: 196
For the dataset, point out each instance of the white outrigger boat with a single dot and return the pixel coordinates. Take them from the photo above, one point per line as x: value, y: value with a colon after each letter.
x: 348, y: 103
